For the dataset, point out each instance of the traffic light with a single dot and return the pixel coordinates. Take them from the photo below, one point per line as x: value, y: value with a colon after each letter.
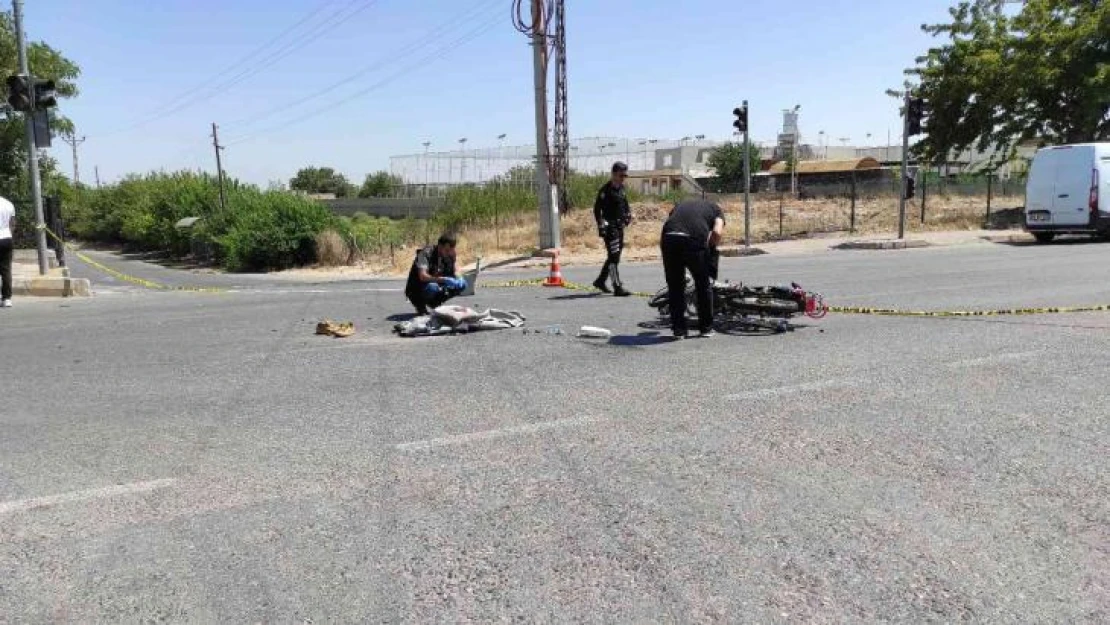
x: 910, y: 187
x: 914, y: 114
x: 45, y: 95
x: 741, y: 123
x: 19, y: 92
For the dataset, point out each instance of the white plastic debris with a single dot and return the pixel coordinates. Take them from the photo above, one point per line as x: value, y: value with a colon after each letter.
x: 591, y: 332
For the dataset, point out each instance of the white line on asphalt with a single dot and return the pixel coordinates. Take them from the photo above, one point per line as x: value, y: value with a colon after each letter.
x: 795, y: 388
x: 993, y: 359
x: 22, y: 505
x: 461, y: 439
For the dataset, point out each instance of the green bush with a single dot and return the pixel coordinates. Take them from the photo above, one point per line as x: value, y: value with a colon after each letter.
x: 271, y: 230
x: 258, y: 231
x: 141, y: 212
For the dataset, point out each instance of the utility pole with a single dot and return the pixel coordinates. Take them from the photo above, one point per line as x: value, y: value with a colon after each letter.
x: 96, y: 174
x: 73, y: 142
x: 219, y: 165
x: 905, y: 165
x: 549, y: 224
x: 32, y: 151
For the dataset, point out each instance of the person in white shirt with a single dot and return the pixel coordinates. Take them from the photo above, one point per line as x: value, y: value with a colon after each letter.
x: 7, y: 227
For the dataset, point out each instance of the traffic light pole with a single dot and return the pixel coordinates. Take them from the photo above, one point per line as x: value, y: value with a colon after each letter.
x: 905, y: 165
x: 747, y: 182
x: 32, y: 151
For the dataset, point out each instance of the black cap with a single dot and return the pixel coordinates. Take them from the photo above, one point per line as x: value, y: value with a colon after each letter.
x: 619, y: 168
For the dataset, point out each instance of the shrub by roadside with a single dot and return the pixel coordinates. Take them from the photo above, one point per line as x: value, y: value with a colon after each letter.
x: 258, y: 231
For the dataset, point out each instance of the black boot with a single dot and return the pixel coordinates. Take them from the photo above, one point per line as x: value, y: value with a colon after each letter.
x: 618, y: 286
x: 599, y: 284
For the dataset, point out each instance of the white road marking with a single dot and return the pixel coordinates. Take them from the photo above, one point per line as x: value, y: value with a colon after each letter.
x: 993, y: 359
x: 777, y: 391
x: 23, y: 505
x: 519, y: 430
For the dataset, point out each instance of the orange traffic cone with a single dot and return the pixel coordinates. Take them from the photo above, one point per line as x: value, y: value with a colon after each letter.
x: 556, y: 277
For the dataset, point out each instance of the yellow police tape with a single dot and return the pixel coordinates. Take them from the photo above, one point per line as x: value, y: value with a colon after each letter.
x: 859, y: 310
x: 1003, y: 312
x: 150, y: 284
x: 572, y: 286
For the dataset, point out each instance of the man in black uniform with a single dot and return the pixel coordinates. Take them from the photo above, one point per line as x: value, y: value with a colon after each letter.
x: 690, y: 238
x: 612, y: 213
x: 433, y: 279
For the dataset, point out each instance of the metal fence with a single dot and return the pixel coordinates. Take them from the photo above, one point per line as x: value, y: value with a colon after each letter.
x: 937, y: 203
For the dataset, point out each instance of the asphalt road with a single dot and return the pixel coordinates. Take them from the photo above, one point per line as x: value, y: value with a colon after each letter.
x: 203, y: 457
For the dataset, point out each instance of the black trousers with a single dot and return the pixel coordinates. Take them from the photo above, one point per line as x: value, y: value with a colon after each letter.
x: 682, y: 254
x: 614, y: 245
x: 6, y: 268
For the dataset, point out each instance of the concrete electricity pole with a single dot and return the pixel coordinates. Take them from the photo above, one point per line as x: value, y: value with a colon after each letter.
x: 549, y: 223
x: 73, y: 142
x: 219, y: 165
x: 32, y: 151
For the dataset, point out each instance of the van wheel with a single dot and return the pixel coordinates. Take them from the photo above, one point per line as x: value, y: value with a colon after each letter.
x: 1044, y: 237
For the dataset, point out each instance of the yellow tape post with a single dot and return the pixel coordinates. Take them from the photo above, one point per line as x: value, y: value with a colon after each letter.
x: 150, y: 284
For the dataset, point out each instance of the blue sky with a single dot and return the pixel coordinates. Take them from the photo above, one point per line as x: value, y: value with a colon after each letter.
x: 151, y: 72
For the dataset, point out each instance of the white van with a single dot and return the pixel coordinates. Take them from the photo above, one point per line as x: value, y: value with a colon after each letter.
x: 1068, y: 191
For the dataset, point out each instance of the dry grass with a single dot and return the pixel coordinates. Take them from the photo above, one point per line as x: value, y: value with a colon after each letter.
x: 516, y: 235
x: 331, y: 249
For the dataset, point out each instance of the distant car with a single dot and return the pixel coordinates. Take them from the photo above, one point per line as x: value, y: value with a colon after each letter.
x: 1068, y: 191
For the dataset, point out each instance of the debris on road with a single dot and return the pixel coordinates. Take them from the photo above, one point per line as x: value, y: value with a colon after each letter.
x: 591, y: 332
x: 327, y: 327
x: 459, y: 319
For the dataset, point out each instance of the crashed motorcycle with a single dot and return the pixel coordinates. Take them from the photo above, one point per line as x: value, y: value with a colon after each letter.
x: 750, y: 308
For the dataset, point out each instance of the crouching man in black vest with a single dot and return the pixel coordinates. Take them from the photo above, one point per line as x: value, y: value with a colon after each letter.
x: 433, y: 278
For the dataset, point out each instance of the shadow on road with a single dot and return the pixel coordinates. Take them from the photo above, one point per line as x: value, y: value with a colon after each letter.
x: 643, y: 339
x: 574, y: 296
x: 165, y: 260
x: 1064, y: 240
x: 401, y: 317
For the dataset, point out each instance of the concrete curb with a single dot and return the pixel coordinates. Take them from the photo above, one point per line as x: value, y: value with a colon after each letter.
x: 735, y: 251
x: 51, y: 286
x: 896, y: 244
x: 1010, y: 238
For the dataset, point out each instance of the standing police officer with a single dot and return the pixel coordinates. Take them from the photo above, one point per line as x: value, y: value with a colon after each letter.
x: 613, y: 214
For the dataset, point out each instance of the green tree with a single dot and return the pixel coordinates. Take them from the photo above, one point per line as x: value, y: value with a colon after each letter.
x: 727, y: 161
x: 379, y: 184
x: 45, y: 62
x: 1004, y: 77
x: 321, y: 180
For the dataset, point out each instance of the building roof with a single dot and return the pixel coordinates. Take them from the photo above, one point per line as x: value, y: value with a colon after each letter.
x: 826, y: 167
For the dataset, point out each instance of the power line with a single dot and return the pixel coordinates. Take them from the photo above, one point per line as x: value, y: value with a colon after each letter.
x: 203, y: 94
x: 235, y: 66
x: 471, y: 35
x: 427, y: 39
x: 158, y: 111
